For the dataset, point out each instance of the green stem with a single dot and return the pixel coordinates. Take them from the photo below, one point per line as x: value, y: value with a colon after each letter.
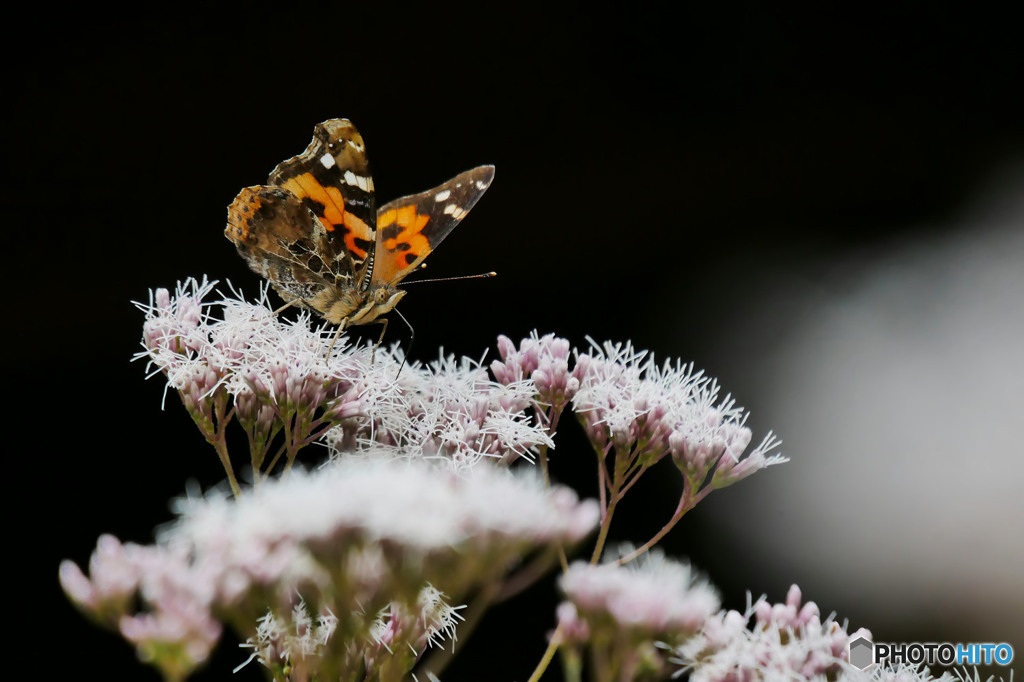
x: 274, y: 460
x: 542, y: 455
x: 219, y: 441
x: 542, y: 459
x: 222, y: 452
x: 602, y: 477
x: 572, y: 664
x: 619, y: 467
x: 549, y: 653
x: 602, y: 535
x: 631, y: 477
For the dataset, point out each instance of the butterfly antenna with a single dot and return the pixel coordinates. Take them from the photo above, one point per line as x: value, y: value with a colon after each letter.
x: 412, y: 337
x: 483, y: 275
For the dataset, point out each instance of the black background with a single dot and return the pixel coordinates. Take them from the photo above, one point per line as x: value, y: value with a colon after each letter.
x: 648, y: 162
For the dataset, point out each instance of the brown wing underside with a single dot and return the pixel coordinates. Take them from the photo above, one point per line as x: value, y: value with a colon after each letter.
x: 280, y: 240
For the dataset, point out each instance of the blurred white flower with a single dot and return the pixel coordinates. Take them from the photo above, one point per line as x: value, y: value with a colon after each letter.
x: 653, y: 596
x: 353, y: 539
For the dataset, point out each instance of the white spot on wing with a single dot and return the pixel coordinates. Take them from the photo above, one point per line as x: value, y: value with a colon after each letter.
x: 454, y: 210
x: 327, y: 161
x: 480, y: 184
x: 361, y: 181
x: 441, y: 196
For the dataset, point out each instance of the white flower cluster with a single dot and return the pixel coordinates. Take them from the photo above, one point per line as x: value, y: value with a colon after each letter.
x: 353, y: 570
x: 248, y: 350
x: 448, y: 411
x: 624, y: 615
x: 178, y: 630
x: 294, y: 642
x: 286, y: 378
x: 653, y: 595
x: 786, y: 641
x: 656, y: 621
x: 353, y: 540
x: 630, y: 405
x: 283, y: 378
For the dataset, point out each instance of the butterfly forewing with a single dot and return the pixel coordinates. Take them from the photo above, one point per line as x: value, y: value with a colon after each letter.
x: 408, y: 229
x: 332, y: 179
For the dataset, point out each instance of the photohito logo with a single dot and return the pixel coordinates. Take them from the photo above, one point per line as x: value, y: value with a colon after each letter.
x: 864, y: 652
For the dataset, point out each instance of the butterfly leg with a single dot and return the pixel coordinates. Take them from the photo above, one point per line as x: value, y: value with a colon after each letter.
x: 283, y: 308
x: 341, y: 328
x: 384, y: 327
x: 286, y: 306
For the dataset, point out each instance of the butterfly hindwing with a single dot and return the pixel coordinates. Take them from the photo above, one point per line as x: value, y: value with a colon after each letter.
x: 278, y: 238
x: 409, y: 228
x: 332, y: 179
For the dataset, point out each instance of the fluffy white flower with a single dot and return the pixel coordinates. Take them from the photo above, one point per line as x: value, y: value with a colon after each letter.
x: 653, y: 596
x: 354, y: 538
x: 291, y: 640
x: 449, y: 412
x: 785, y: 642
x: 645, y: 411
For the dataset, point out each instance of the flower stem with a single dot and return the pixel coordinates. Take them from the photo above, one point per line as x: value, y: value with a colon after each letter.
x: 551, y: 419
x: 222, y: 452
x: 549, y: 653
x: 220, y: 443
x: 527, y: 576
x: 273, y: 461
x: 686, y: 503
x: 602, y: 535
x: 619, y: 467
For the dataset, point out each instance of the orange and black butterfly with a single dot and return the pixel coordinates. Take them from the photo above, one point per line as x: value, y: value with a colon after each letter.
x: 315, y: 234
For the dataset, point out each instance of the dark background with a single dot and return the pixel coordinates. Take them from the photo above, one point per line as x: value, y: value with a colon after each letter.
x: 649, y: 163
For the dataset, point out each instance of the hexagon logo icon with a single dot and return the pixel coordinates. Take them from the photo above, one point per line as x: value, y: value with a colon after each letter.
x: 862, y: 653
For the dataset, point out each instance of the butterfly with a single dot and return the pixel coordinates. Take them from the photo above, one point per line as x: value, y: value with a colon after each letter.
x: 314, y: 233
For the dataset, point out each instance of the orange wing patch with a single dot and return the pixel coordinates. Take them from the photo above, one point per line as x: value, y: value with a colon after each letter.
x: 330, y: 198
x: 409, y: 228
x: 410, y: 239
x: 401, y: 243
x: 328, y: 205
